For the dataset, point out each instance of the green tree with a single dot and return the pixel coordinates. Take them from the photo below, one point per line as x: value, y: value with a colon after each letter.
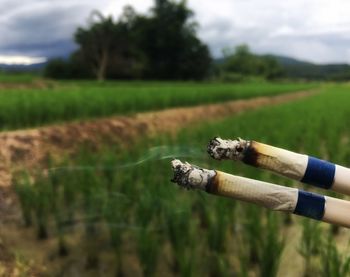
x: 57, y: 68
x: 270, y: 68
x: 241, y: 61
x: 128, y: 60
x: 73, y: 68
x: 162, y: 45
x: 169, y: 42
x: 97, y: 42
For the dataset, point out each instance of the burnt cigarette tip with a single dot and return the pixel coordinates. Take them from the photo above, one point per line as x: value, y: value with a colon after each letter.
x: 181, y: 171
x: 221, y: 149
x: 190, y: 176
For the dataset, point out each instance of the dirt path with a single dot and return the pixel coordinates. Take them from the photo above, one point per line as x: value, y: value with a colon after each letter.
x: 34, y: 84
x: 27, y: 148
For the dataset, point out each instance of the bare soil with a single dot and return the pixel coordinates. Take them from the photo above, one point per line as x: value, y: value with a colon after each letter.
x: 35, y: 84
x: 31, y: 148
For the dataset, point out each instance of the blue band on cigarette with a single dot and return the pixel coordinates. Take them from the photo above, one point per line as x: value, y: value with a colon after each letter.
x: 310, y: 205
x: 319, y: 173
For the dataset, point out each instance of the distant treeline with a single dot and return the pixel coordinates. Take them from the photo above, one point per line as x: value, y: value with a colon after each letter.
x: 295, y: 69
x: 163, y: 45
x: 239, y: 63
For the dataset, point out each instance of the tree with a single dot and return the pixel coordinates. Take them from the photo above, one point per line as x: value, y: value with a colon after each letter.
x: 57, y: 68
x: 241, y: 61
x: 270, y: 68
x: 73, y: 68
x: 162, y: 45
x: 168, y: 40
x: 97, y: 42
x: 128, y: 60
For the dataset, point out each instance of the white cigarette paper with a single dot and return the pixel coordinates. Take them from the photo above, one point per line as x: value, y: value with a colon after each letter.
x: 293, y: 165
x: 271, y: 196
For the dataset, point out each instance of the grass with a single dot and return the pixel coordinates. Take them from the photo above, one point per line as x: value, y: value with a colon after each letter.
x: 334, y: 263
x: 23, y: 108
x: 19, y: 77
x: 310, y: 244
x: 192, y: 233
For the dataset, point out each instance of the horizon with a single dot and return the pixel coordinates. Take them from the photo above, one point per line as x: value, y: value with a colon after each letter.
x: 29, y: 61
x: 315, y: 32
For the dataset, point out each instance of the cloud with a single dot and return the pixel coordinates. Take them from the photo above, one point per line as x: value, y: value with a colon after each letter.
x: 315, y: 30
x: 21, y: 60
x: 41, y: 27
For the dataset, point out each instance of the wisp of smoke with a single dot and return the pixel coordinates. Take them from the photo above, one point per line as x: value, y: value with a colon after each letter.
x: 153, y: 154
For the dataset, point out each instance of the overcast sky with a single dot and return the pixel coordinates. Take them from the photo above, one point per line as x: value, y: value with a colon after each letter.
x: 312, y: 30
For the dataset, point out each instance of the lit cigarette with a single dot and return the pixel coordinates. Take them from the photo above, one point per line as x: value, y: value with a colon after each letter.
x: 271, y: 196
x: 296, y: 166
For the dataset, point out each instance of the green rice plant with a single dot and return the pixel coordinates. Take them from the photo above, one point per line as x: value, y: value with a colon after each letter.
x: 334, y: 263
x: 70, y: 198
x: 148, y: 247
x: 243, y: 261
x: 80, y: 197
x: 44, y: 199
x: 218, y: 265
x: 116, y: 216
x: 252, y: 232
x: 272, y: 245
x: 145, y: 210
x: 147, y: 234
x: 92, y: 199
x: 182, y: 232
x: 59, y: 222
x: 218, y: 213
x: 219, y: 221
x: 189, y: 260
x: 59, y: 211
x: 18, y: 77
x: 310, y: 243
x: 75, y: 100
x: 25, y: 194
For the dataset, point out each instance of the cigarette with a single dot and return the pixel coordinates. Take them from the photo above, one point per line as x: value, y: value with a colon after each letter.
x: 271, y: 196
x: 303, y: 168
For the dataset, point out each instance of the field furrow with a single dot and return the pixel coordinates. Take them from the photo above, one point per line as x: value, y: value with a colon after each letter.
x: 30, y: 147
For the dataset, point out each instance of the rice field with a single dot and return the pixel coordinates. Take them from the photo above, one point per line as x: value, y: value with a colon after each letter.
x: 20, y: 77
x: 68, y: 101
x: 115, y: 211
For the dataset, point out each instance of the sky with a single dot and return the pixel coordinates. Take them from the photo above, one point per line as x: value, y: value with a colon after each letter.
x: 313, y: 30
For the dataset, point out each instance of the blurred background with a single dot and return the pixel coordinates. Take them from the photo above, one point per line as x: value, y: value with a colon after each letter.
x: 97, y: 98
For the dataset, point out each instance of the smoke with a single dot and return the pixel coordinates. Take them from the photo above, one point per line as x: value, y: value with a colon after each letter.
x: 156, y: 153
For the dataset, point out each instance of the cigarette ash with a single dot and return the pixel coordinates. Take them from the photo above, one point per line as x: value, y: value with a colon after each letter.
x: 190, y: 176
x: 221, y: 149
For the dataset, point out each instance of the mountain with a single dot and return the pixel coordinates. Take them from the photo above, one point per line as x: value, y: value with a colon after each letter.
x: 298, y: 69
x: 288, y: 61
x: 294, y: 68
x: 22, y: 67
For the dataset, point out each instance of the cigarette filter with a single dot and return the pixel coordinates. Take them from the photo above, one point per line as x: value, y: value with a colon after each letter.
x: 296, y: 166
x: 275, y: 197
